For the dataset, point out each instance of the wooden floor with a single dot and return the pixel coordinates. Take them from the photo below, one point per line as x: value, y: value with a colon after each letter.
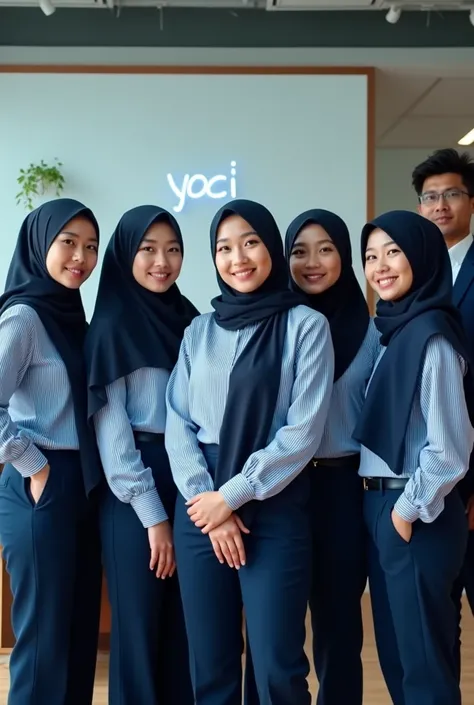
x: 375, y: 691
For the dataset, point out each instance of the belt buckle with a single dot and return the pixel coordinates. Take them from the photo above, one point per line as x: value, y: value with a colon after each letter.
x: 315, y: 462
x: 365, y: 483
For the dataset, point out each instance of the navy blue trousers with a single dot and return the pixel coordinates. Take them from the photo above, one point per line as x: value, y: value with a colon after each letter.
x: 410, y: 587
x: 52, y: 553
x: 149, y: 663
x: 338, y: 582
x: 339, y: 576
x: 273, y: 588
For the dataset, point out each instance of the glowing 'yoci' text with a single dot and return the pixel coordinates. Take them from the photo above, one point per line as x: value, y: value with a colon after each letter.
x: 200, y: 186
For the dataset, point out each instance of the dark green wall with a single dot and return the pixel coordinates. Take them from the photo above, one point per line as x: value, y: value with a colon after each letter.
x: 140, y: 27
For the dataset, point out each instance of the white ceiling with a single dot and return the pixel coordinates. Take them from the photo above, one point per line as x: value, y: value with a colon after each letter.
x: 422, y: 108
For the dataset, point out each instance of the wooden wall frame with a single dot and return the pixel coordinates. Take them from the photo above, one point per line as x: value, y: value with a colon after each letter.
x: 6, y: 634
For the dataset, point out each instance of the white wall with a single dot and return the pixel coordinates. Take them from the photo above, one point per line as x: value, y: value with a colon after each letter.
x: 120, y: 135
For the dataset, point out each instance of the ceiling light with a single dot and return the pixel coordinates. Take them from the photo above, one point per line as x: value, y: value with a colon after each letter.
x: 467, y: 139
x: 47, y: 7
x: 393, y: 15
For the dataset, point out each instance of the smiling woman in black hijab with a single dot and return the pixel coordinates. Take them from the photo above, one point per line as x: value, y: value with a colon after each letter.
x: 318, y: 251
x: 416, y: 435
x: 51, y: 466
x: 246, y: 407
x: 132, y: 346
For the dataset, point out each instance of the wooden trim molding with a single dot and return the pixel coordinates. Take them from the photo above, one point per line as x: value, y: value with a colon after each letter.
x: 194, y: 70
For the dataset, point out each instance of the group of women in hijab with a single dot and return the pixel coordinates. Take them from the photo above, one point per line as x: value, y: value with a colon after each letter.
x: 277, y: 451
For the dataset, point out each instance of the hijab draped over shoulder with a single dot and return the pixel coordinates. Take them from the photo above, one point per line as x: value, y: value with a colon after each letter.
x: 343, y: 304
x: 255, y: 378
x: 406, y: 325
x: 59, y: 308
x: 133, y: 327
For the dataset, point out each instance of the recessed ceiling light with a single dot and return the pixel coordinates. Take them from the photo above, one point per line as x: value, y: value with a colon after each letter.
x: 467, y: 139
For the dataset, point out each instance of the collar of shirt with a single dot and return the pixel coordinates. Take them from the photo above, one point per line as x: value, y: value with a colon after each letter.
x: 458, y: 252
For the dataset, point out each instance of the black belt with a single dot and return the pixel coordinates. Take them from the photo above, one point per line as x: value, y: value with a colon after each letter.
x: 346, y: 461
x: 384, y: 483
x: 147, y: 437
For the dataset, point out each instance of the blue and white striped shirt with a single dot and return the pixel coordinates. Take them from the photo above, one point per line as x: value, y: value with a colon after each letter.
x: 347, y: 399
x: 197, y: 394
x: 134, y: 403
x: 36, y: 406
x: 439, y: 437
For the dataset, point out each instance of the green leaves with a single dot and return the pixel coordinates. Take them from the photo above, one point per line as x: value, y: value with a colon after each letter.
x: 37, y: 179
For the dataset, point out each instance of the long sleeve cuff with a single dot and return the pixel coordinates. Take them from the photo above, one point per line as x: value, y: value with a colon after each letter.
x: 406, y: 509
x: 237, y: 491
x: 149, y: 508
x: 30, y: 462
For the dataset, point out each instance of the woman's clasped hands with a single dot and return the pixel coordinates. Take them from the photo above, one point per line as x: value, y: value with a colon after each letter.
x: 210, y: 512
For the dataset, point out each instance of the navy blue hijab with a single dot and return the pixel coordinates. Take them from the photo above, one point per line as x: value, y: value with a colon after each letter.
x: 132, y: 327
x: 343, y: 304
x: 255, y: 378
x: 406, y: 326
x: 59, y: 308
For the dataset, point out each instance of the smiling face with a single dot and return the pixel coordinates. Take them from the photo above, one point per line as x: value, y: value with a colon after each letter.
x: 387, y: 269
x: 315, y: 263
x: 159, y: 258
x: 72, y: 257
x: 242, y: 259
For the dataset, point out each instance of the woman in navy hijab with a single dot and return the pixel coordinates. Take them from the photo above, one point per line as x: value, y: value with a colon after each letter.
x: 416, y: 437
x: 246, y: 407
x: 52, y: 471
x: 318, y: 251
x: 132, y: 346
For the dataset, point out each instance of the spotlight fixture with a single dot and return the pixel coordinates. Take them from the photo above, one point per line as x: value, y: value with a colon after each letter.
x: 393, y: 15
x: 467, y: 139
x: 47, y: 7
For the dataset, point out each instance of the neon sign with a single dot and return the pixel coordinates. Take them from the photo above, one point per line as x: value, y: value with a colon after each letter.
x: 200, y: 186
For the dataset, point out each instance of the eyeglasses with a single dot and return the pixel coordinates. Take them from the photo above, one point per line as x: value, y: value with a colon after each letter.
x: 452, y: 195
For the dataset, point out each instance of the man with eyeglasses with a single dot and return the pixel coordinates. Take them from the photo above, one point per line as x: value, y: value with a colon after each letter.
x: 444, y: 184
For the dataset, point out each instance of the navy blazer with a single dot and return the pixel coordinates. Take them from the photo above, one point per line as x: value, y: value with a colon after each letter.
x: 463, y: 298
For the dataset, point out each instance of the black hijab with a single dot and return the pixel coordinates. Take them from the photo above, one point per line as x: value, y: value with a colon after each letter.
x: 132, y: 327
x: 59, y: 308
x: 343, y: 304
x: 406, y: 326
x: 255, y: 378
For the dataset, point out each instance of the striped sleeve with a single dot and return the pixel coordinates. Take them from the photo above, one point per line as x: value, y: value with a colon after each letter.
x: 188, y: 465
x: 269, y: 470
x: 444, y: 458
x: 128, y: 478
x: 17, y: 340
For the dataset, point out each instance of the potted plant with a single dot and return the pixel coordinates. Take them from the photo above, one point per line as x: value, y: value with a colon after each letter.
x: 37, y: 179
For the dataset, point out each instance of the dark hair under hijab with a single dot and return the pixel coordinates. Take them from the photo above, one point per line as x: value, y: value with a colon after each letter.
x: 132, y: 327
x: 406, y: 326
x: 343, y: 304
x: 59, y: 308
x: 255, y: 378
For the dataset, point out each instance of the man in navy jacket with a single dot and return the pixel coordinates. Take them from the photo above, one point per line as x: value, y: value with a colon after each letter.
x: 444, y: 184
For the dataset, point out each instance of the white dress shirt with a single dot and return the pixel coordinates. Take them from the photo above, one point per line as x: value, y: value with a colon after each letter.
x: 457, y: 254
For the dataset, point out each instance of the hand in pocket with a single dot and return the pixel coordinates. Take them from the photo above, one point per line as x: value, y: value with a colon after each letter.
x: 403, y: 528
x: 38, y: 483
